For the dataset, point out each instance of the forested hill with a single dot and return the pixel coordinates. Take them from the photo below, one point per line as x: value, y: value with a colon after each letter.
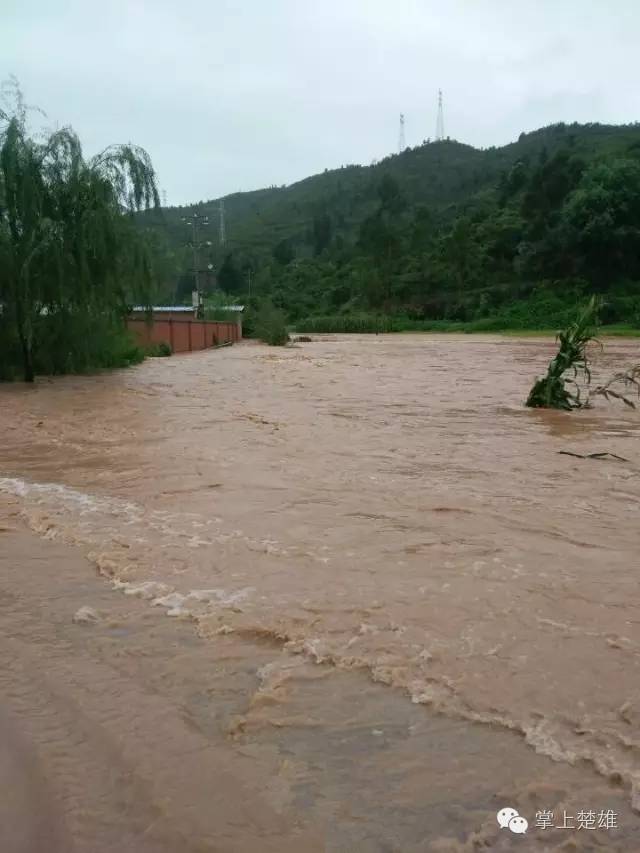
x: 442, y: 230
x: 435, y: 173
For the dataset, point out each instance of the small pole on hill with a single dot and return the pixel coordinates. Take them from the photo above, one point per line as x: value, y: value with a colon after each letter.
x: 440, y: 119
x: 222, y: 230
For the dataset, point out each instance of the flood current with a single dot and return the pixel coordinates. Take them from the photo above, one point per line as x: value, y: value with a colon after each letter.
x: 345, y: 596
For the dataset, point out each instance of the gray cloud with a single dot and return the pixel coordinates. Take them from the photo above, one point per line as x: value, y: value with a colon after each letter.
x: 239, y: 95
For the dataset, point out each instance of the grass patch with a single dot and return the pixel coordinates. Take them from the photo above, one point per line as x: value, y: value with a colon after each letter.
x: 350, y: 324
x: 370, y: 324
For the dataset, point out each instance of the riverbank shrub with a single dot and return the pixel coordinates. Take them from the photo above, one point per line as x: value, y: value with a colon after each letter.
x: 159, y: 350
x: 270, y: 325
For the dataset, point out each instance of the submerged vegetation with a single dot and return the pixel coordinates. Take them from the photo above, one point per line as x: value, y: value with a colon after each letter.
x: 159, y: 350
x: 265, y: 322
x: 560, y: 388
x: 269, y: 325
x: 569, y: 369
x: 71, y: 257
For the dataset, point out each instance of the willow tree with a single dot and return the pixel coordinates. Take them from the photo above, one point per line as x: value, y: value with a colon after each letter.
x: 71, y: 256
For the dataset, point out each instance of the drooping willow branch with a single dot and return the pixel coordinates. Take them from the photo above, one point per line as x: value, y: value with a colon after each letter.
x: 71, y: 258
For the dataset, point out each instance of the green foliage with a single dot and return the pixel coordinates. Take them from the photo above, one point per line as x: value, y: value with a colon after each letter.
x: 283, y: 252
x: 322, y: 231
x: 390, y: 194
x: 350, y: 323
x: 80, y: 342
x: 270, y: 325
x: 462, y: 253
x: 602, y: 222
x: 345, y: 324
x: 71, y: 258
x: 547, y: 188
x: 159, y: 350
x: 230, y: 278
x: 10, y: 352
x: 552, y: 391
x: 445, y: 234
x: 215, y: 307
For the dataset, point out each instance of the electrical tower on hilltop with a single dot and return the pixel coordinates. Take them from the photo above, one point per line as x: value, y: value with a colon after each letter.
x: 440, y: 119
x: 401, y: 140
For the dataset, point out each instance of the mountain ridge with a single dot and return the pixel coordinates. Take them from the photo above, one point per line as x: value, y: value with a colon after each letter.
x: 340, y: 223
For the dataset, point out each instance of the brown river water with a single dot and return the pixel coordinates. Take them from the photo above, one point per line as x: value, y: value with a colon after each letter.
x: 349, y: 596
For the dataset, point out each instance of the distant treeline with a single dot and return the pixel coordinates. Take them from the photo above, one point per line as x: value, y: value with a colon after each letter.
x: 442, y: 232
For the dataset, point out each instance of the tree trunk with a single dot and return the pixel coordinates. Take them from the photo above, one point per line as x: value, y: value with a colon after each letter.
x: 25, y: 343
x: 27, y: 359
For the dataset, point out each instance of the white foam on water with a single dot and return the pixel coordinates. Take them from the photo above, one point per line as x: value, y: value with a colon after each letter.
x: 172, y: 601
x: 177, y: 602
x: 92, y: 518
x: 70, y: 498
x: 144, y: 589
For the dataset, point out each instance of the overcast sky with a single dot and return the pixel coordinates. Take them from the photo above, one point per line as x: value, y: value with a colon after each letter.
x: 231, y: 96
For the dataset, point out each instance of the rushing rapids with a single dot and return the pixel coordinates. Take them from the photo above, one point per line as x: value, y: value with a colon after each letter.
x: 351, y: 535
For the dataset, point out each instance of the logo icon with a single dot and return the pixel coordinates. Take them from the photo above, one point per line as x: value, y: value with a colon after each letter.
x: 509, y: 818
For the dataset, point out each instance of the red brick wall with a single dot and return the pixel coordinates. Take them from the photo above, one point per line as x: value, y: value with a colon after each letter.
x: 198, y: 336
x: 183, y: 335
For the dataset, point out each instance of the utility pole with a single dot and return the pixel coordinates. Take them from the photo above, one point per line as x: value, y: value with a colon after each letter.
x: 222, y: 234
x: 440, y: 119
x: 401, y: 140
x: 197, y: 221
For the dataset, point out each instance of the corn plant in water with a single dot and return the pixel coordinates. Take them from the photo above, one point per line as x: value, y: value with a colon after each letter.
x: 560, y: 388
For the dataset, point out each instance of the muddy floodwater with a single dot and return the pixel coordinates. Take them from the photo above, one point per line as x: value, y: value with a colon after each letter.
x: 345, y: 596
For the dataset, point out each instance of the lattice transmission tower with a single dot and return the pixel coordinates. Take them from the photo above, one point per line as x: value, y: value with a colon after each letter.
x: 440, y: 119
x: 401, y: 140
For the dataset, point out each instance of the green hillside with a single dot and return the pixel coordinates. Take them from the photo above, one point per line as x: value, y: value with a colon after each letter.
x: 442, y: 231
